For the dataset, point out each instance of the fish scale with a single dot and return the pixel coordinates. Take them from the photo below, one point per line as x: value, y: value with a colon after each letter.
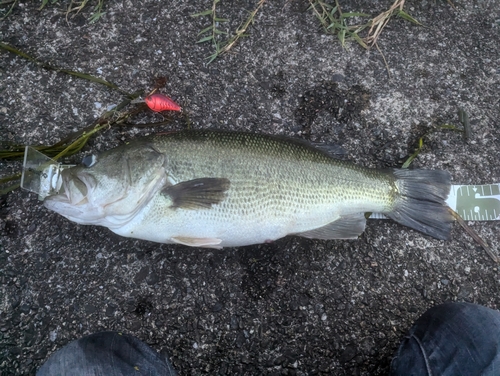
x: 303, y: 176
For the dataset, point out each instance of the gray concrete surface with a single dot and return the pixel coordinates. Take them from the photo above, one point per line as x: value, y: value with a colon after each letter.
x: 295, y: 307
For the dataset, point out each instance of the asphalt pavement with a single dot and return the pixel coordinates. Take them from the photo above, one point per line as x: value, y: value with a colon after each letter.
x: 294, y: 307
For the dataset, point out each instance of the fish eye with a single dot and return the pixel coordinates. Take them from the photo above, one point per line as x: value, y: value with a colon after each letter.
x: 89, y: 160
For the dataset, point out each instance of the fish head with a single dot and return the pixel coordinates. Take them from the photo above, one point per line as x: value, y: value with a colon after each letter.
x: 111, y: 188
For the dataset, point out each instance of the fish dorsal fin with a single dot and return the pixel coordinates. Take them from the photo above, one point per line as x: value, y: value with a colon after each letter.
x: 346, y: 227
x: 198, y: 242
x: 198, y: 193
x: 333, y: 150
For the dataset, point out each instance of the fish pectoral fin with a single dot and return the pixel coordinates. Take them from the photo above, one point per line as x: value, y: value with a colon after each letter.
x: 198, y: 193
x: 198, y: 242
x: 346, y: 227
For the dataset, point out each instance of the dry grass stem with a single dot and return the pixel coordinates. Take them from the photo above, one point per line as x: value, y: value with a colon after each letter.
x: 380, y: 22
x: 240, y: 32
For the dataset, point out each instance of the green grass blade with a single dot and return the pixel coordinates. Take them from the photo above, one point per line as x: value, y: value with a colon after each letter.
x: 212, y: 57
x: 10, y: 9
x: 205, y: 39
x: 335, y: 25
x: 67, y: 71
x: 44, y: 2
x: 358, y: 39
x: 88, y: 77
x: 341, y: 36
x: 12, y: 187
x: 208, y: 28
x: 333, y: 10
x: 407, y: 17
x: 96, y: 16
x: 204, y: 13
x: 17, y: 52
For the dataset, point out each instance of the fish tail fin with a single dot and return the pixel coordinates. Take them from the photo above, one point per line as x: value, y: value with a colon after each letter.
x: 420, y: 203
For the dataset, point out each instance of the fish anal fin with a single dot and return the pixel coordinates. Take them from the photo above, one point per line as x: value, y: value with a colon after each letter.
x: 198, y: 242
x: 197, y: 193
x: 346, y: 227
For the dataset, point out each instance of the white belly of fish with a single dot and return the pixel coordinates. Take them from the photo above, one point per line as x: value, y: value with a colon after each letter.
x: 221, y: 226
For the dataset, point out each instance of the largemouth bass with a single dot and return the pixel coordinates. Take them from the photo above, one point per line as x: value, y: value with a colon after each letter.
x: 206, y: 188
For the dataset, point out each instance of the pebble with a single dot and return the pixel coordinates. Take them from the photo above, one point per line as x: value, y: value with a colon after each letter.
x: 53, y: 335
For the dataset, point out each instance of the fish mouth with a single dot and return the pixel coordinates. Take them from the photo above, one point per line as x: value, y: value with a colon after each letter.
x: 73, y: 197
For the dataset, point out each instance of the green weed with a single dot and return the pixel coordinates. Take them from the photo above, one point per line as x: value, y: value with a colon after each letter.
x: 464, y: 120
x: 47, y: 66
x: 5, y: 3
x: 335, y: 22
x: 74, y: 7
x: 213, y: 34
x: 45, y: 2
x: 76, y: 141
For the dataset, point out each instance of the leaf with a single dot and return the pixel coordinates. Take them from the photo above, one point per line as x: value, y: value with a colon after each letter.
x: 335, y: 25
x: 208, y: 28
x: 329, y: 6
x: 44, y: 2
x: 359, y: 40
x: 89, y: 77
x: 408, y: 161
x: 334, y: 10
x: 96, y: 17
x: 206, y: 39
x: 17, y: 52
x: 212, y: 57
x: 219, y: 32
x: 204, y: 13
x: 220, y: 19
x: 341, y: 36
x: 415, y: 153
x: 407, y: 17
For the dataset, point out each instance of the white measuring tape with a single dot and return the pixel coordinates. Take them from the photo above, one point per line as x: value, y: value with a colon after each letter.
x: 476, y: 202
x: 41, y: 175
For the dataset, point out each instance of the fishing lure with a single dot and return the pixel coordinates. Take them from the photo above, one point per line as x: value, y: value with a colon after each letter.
x: 159, y: 102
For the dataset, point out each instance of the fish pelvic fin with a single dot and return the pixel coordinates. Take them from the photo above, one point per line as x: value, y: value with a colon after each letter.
x: 198, y: 193
x: 198, y: 242
x: 420, y: 201
x: 346, y: 227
